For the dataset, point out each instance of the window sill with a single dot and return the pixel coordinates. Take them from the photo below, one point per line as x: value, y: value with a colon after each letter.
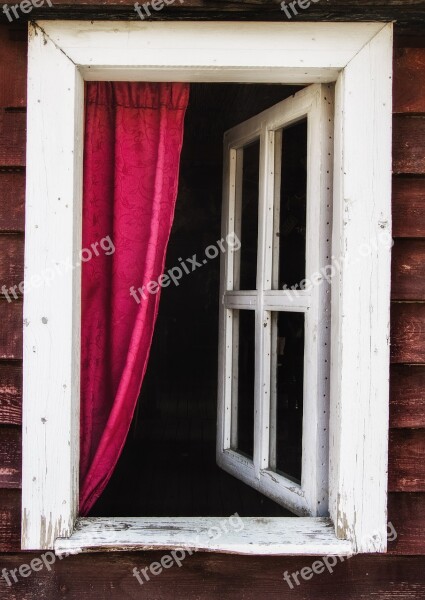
x: 258, y: 536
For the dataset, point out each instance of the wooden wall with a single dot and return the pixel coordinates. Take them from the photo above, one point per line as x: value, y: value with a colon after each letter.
x: 407, y: 435
x: 12, y: 192
x: 398, y: 575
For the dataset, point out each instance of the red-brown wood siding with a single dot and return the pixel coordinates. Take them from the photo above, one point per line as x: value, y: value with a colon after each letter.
x: 214, y: 576
x: 407, y: 380
x: 13, y: 51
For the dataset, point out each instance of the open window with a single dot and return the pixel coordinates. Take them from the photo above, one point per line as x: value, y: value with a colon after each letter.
x: 274, y: 332
x: 341, y: 391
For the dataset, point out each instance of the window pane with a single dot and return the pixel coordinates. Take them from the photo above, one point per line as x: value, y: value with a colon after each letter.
x: 243, y: 381
x: 290, y: 206
x: 287, y: 393
x: 247, y: 219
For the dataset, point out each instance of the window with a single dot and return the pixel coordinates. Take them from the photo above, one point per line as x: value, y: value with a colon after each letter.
x: 273, y: 425
x: 357, y: 58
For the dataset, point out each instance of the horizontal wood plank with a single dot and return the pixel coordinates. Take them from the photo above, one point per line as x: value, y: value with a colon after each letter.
x: 13, y: 67
x: 409, y: 80
x: 408, y: 333
x: 12, y: 200
x: 411, y: 37
x: 11, y: 329
x: 408, y: 270
x: 10, y: 457
x: 11, y: 261
x: 305, y: 536
x: 10, y: 393
x: 337, y: 10
x: 409, y: 144
x: 215, y: 4
x: 10, y: 520
x: 215, y: 577
x: 406, y: 511
x: 407, y: 396
x: 408, y: 207
x: 12, y: 138
x: 407, y: 460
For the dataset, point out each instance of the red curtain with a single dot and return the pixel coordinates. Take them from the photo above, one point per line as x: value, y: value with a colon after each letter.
x: 133, y: 140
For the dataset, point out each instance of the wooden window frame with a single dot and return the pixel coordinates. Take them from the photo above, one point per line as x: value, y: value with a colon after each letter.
x: 314, y: 103
x: 358, y: 58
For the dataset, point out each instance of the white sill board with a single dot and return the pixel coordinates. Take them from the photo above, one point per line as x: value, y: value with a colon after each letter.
x: 259, y: 535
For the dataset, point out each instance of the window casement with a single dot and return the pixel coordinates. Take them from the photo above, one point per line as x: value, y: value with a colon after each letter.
x: 306, y: 494
x: 354, y: 60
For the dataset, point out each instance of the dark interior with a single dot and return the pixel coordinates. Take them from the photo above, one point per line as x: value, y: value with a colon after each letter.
x: 168, y: 465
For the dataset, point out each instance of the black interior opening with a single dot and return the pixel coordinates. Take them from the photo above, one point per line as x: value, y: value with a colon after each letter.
x: 168, y: 465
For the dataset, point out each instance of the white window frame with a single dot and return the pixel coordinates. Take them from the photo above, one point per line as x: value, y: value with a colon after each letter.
x: 358, y: 57
x: 310, y: 497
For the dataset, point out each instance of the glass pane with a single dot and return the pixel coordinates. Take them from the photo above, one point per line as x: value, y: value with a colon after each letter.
x: 247, y: 218
x: 287, y: 379
x: 243, y: 381
x: 290, y: 206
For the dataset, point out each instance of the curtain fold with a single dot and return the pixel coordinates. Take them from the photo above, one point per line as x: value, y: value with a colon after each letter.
x: 133, y: 140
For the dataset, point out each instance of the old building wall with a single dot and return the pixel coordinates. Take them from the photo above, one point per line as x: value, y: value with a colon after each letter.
x: 400, y: 574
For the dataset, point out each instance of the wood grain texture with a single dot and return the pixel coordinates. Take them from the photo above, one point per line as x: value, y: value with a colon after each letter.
x: 10, y: 393
x: 408, y: 270
x: 408, y: 333
x: 11, y: 260
x: 11, y: 329
x: 408, y: 508
x: 407, y: 396
x: 305, y: 52
x: 12, y: 200
x: 407, y: 460
x: 405, y: 14
x: 253, y: 536
x: 246, y: 4
x: 215, y: 577
x: 358, y: 427
x: 10, y: 520
x: 409, y: 80
x: 51, y: 436
x: 12, y: 138
x: 406, y: 511
x: 360, y: 410
x: 409, y: 38
x: 408, y: 207
x: 409, y: 144
x: 13, y: 67
x: 10, y: 457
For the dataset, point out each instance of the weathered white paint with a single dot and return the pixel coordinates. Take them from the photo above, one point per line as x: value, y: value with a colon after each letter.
x: 311, y: 497
x: 248, y: 535
x: 358, y: 55
x: 361, y: 295
x: 210, y: 51
x: 52, y: 309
